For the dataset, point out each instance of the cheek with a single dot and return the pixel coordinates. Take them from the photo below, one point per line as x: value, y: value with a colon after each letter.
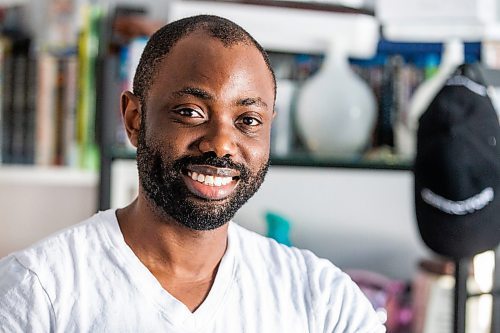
x: 163, y: 145
x: 257, y: 152
x: 261, y: 145
x: 168, y: 138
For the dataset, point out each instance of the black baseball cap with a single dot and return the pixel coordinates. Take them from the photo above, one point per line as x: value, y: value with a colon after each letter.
x: 457, y: 168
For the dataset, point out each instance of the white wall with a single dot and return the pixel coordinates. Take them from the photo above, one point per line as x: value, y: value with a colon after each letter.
x: 35, y: 202
x: 356, y: 218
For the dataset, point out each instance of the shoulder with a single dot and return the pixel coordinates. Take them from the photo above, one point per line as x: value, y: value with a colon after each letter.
x: 335, y: 301
x: 14, y: 275
x: 57, y: 257
x: 316, y: 275
x: 65, y: 242
x: 21, y: 294
x: 282, y: 257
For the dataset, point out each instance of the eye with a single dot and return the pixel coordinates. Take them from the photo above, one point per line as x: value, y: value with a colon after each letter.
x: 188, y: 115
x: 250, y: 121
x: 188, y: 112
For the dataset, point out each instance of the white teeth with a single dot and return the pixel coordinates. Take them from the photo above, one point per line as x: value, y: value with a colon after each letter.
x: 217, y: 181
x: 209, y: 180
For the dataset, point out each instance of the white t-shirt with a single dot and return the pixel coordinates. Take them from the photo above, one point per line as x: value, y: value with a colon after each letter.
x: 86, y: 279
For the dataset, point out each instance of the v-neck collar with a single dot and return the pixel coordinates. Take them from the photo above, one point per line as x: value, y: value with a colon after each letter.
x: 174, y: 311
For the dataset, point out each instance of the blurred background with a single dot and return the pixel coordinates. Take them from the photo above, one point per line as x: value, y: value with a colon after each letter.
x: 353, y: 78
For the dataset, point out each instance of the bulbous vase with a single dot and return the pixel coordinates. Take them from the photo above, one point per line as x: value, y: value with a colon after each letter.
x: 336, y: 109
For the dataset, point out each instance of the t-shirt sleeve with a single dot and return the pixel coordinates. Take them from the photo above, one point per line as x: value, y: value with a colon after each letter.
x: 24, y: 304
x: 339, y: 304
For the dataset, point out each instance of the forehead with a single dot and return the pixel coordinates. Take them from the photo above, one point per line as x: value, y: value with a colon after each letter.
x: 201, y: 60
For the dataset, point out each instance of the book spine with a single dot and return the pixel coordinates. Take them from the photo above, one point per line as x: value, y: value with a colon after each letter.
x: 7, y: 107
x: 69, y: 100
x: 44, y: 146
x: 59, y: 112
x: 88, y: 50
x: 18, y: 108
x: 30, y: 111
x: 83, y: 100
x: 2, y: 88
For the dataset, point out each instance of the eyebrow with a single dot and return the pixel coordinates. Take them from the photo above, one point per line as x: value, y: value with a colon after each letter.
x: 196, y: 92
x: 203, y: 94
x: 252, y: 101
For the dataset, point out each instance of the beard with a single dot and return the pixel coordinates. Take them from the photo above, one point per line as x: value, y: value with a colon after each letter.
x: 162, y: 181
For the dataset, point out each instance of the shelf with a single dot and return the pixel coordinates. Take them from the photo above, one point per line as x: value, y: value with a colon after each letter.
x: 308, y: 160
x: 39, y: 175
x: 416, y: 53
x: 122, y: 154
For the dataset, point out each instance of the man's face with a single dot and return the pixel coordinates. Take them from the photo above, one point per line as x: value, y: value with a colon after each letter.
x: 203, y: 146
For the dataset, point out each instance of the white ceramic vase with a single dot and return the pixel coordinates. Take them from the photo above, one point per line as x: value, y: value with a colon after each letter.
x: 336, y: 109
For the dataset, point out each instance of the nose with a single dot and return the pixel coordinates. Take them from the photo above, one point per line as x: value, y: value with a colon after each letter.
x: 219, y: 139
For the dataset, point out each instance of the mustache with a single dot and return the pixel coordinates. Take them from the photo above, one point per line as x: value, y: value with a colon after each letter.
x: 212, y: 159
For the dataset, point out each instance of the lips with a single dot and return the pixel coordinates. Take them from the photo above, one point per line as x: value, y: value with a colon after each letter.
x: 210, y: 182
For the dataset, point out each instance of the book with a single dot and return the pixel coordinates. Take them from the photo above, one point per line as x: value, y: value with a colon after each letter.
x: 30, y: 102
x: 45, y: 128
x: 6, y: 78
x: 69, y: 102
x: 88, y: 45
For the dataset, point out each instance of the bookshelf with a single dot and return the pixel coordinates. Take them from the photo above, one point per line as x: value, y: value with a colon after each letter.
x: 376, y: 60
x: 76, y: 122
x: 48, y: 91
x: 414, y: 58
x: 48, y: 143
x: 286, y: 39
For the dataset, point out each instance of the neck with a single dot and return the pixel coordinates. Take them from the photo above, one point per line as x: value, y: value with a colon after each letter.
x: 168, y: 248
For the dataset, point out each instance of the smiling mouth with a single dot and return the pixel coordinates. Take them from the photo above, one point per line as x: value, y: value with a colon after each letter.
x: 210, y: 182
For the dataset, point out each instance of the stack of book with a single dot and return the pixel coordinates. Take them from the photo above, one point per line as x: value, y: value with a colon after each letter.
x: 48, y: 103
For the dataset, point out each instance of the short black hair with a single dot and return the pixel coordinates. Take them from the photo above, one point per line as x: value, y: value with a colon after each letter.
x: 162, y: 41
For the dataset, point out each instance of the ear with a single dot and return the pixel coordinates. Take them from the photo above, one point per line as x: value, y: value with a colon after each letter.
x: 131, y: 113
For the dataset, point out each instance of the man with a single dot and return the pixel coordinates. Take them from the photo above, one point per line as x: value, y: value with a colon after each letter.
x: 200, y: 116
